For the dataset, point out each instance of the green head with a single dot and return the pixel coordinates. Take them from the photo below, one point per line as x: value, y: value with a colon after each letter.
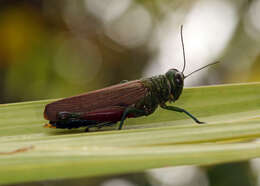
x: 176, y: 78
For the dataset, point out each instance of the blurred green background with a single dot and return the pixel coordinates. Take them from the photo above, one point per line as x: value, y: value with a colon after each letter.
x: 54, y: 49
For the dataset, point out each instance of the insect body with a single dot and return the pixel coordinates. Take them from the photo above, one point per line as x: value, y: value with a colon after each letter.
x: 110, y: 105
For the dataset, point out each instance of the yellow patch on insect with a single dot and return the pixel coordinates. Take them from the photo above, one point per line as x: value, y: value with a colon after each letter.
x: 48, y: 126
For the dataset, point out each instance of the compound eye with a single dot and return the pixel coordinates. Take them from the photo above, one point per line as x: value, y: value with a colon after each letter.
x: 178, y: 79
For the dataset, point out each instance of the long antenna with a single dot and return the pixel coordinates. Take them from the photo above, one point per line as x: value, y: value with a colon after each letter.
x: 201, y: 68
x: 183, y: 50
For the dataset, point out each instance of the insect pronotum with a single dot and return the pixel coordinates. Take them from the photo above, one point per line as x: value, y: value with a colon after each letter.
x: 129, y: 99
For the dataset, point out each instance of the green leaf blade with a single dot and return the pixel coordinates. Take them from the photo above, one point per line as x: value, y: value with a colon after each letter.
x: 232, y: 114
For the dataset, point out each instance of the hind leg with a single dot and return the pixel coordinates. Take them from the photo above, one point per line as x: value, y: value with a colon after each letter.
x: 100, y: 125
x: 73, y: 123
x: 95, y: 118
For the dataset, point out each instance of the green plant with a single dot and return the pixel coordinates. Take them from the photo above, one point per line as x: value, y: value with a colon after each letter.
x: 29, y: 152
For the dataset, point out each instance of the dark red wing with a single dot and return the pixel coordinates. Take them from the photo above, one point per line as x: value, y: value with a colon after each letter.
x: 110, y: 114
x: 118, y: 95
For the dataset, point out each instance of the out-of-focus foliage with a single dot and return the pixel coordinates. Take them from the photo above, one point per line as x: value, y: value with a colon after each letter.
x: 49, y: 49
x: 60, y: 48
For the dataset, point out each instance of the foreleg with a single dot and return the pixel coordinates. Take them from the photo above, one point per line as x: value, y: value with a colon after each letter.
x: 177, y: 109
